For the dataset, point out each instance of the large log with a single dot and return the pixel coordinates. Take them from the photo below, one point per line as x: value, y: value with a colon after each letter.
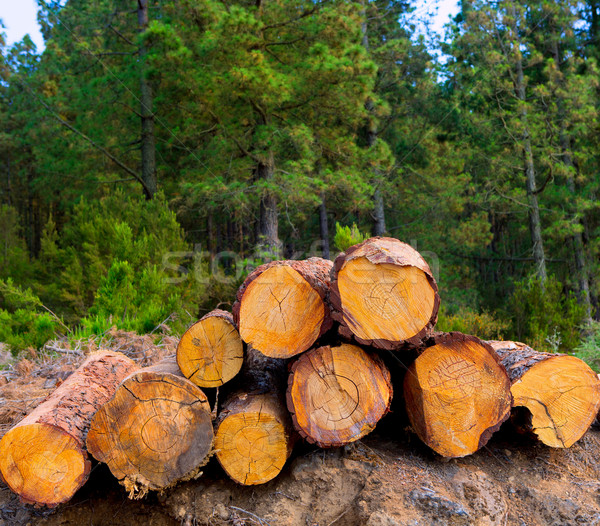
x: 281, y: 308
x: 457, y: 394
x: 43, y: 458
x: 383, y: 294
x: 254, y: 435
x: 336, y: 395
x: 561, y: 392
x: 155, y: 431
x: 211, y: 352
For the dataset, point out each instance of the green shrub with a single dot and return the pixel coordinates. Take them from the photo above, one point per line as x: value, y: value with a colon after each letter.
x: 24, y: 322
x: 483, y: 325
x: 546, y: 318
x: 589, y: 348
x: 346, y: 236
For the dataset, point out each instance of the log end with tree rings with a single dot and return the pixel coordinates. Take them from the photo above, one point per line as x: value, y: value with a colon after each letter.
x: 336, y: 395
x: 281, y: 308
x: 156, y: 430
x: 43, y: 458
x: 384, y: 294
x: 457, y: 394
x: 561, y: 392
x: 211, y: 352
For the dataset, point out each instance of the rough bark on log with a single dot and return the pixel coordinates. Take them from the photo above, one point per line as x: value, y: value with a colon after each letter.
x: 561, y: 392
x: 211, y: 352
x: 457, y: 394
x: 155, y: 431
x: 336, y: 395
x: 43, y: 458
x: 281, y: 308
x: 254, y: 435
x: 384, y: 294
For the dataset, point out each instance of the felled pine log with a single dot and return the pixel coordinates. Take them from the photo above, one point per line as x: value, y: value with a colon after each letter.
x: 561, y: 392
x: 211, y: 352
x: 457, y: 394
x: 281, y: 308
x: 336, y: 395
x: 155, y: 431
x: 43, y: 458
x: 253, y: 432
x: 383, y: 294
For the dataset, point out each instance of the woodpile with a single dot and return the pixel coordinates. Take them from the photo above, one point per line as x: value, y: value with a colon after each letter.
x: 301, y: 357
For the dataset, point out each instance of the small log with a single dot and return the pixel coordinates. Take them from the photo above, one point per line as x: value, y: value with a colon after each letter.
x: 383, y: 294
x: 43, y: 458
x: 211, y: 352
x: 561, y: 392
x: 281, y: 308
x: 336, y: 395
x: 457, y: 394
x: 254, y: 435
x: 155, y: 431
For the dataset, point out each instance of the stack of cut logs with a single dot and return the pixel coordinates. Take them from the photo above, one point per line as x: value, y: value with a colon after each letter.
x: 302, y: 356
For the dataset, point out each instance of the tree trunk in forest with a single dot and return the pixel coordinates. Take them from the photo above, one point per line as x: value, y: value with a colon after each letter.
x: 457, y: 394
x: 43, y: 458
x: 384, y: 294
x: 372, y: 132
x: 211, y: 352
x: 281, y: 308
x: 535, y: 223
x: 324, y: 227
x: 269, y: 215
x: 578, y: 246
x: 147, y: 115
x: 336, y: 395
x: 155, y: 431
x: 254, y: 435
x: 561, y: 392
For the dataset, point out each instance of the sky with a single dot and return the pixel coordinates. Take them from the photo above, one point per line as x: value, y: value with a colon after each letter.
x: 19, y: 17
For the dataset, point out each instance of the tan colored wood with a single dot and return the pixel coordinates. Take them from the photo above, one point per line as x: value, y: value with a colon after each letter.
x: 384, y: 294
x: 211, y: 352
x: 457, y: 394
x: 561, y: 392
x: 43, y: 458
x: 155, y: 431
x: 254, y: 438
x: 336, y: 395
x: 281, y: 308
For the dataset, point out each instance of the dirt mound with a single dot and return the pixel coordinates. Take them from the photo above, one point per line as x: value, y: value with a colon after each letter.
x: 387, y: 479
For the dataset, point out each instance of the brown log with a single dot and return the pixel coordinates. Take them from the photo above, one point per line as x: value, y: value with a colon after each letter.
x: 254, y: 435
x: 281, y: 308
x: 457, y: 394
x: 211, y: 352
x: 336, y: 395
x: 155, y: 431
x: 561, y: 392
x: 43, y: 458
x: 383, y: 294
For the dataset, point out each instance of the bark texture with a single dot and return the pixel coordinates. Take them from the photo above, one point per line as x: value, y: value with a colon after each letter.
x: 43, y: 458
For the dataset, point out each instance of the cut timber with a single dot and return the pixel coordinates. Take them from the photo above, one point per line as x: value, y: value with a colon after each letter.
x: 336, y: 395
x: 211, y: 351
x: 457, y: 394
x: 43, y: 458
x: 156, y: 430
x: 281, y: 309
x: 253, y: 438
x: 254, y: 435
x: 384, y: 294
x: 561, y: 392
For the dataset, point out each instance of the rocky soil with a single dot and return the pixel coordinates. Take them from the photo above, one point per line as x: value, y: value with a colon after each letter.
x: 387, y: 479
